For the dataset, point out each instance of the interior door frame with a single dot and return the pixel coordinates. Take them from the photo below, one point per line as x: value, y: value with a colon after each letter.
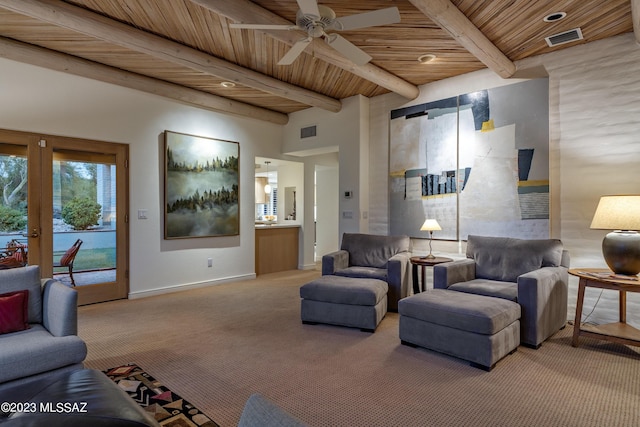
x: 40, y: 150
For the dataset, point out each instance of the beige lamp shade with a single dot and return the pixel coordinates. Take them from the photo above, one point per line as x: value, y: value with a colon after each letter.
x: 430, y: 225
x: 617, y: 213
x: 621, y: 247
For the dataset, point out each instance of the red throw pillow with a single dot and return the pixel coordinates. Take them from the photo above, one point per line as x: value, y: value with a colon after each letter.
x: 14, y: 312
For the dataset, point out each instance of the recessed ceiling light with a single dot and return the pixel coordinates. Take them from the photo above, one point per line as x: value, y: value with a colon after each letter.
x: 423, y: 59
x: 228, y: 84
x: 553, y: 17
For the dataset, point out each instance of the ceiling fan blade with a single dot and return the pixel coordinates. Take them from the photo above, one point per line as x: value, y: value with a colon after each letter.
x: 387, y: 16
x: 263, y: 26
x: 294, y: 52
x: 309, y: 7
x: 348, y: 49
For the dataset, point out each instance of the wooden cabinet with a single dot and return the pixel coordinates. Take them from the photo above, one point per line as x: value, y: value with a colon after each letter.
x: 276, y: 248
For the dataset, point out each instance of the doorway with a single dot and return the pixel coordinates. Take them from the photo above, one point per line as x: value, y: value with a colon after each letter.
x: 69, y: 201
x: 327, y: 203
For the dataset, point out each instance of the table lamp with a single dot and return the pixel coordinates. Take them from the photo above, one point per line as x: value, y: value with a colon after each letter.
x: 620, y: 248
x: 430, y: 225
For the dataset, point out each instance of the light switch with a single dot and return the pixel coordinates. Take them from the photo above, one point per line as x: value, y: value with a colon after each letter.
x: 142, y: 213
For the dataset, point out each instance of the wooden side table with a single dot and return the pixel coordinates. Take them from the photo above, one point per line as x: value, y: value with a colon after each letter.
x: 424, y: 263
x: 619, y: 332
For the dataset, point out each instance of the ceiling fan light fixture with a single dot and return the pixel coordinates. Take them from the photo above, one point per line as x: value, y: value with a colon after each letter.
x: 555, y: 16
x: 228, y: 85
x: 315, y: 31
x: 316, y: 20
x: 325, y: 20
x: 426, y: 58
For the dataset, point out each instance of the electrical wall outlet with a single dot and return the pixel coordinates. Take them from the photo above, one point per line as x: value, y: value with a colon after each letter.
x: 209, y: 262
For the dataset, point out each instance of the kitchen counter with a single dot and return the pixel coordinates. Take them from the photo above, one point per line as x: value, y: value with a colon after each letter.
x: 278, y: 225
x: 276, y: 247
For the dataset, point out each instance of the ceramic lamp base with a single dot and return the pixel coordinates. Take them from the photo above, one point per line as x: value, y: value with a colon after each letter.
x: 621, y: 251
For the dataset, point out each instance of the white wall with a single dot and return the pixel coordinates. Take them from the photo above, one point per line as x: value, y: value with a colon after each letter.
x: 345, y: 132
x: 39, y: 100
x: 363, y: 178
x: 594, y: 145
x: 327, y: 208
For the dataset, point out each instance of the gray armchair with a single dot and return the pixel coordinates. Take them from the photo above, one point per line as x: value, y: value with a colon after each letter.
x: 49, y: 345
x: 373, y: 257
x: 533, y: 273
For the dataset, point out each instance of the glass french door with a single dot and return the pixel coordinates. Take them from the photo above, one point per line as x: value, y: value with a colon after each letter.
x: 68, y: 198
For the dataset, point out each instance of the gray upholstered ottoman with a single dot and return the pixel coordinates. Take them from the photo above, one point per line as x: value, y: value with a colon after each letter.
x: 344, y: 301
x: 476, y: 328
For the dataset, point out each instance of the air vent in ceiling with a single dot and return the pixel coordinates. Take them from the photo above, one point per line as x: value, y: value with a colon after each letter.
x: 308, y: 132
x: 565, y: 37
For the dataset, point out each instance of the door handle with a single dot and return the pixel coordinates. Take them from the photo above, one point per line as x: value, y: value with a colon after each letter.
x: 34, y: 233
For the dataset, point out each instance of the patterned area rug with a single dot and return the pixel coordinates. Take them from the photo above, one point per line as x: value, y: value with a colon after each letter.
x: 166, y: 407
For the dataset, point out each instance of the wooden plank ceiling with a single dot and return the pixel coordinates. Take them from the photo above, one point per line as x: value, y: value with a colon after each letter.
x: 185, y: 49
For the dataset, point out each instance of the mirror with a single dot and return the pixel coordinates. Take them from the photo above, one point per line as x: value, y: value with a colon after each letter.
x: 290, y: 203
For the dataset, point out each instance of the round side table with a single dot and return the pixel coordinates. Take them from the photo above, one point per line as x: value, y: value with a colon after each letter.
x: 602, y: 278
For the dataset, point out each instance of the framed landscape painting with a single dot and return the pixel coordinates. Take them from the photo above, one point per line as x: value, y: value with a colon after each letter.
x: 201, y: 188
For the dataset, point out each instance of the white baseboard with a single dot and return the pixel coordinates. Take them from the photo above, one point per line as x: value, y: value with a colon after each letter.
x: 187, y: 286
x: 307, y: 267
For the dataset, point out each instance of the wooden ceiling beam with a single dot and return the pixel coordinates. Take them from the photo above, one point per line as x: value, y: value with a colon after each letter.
x: 98, y: 26
x: 41, y: 57
x: 635, y: 16
x: 244, y: 11
x: 446, y: 15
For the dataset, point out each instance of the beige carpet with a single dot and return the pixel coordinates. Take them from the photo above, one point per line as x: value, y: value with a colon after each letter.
x: 215, y: 346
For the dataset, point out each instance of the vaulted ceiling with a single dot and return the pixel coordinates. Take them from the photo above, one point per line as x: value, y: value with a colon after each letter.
x: 187, y: 50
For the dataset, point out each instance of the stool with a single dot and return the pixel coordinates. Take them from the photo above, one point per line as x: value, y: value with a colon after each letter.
x: 345, y: 301
x: 472, y: 327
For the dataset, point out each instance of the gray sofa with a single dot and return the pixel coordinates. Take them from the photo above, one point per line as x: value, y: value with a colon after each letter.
x: 373, y: 257
x: 533, y: 273
x: 50, y: 345
x: 81, y: 398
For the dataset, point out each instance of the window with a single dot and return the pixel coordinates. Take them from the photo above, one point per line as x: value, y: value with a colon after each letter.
x: 271, y: 208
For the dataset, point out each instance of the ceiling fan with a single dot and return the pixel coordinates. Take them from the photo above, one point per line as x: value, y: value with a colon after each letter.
x: 317, y: 19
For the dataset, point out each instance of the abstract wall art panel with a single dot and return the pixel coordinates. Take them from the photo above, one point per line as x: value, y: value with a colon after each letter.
x: 478, y: 163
